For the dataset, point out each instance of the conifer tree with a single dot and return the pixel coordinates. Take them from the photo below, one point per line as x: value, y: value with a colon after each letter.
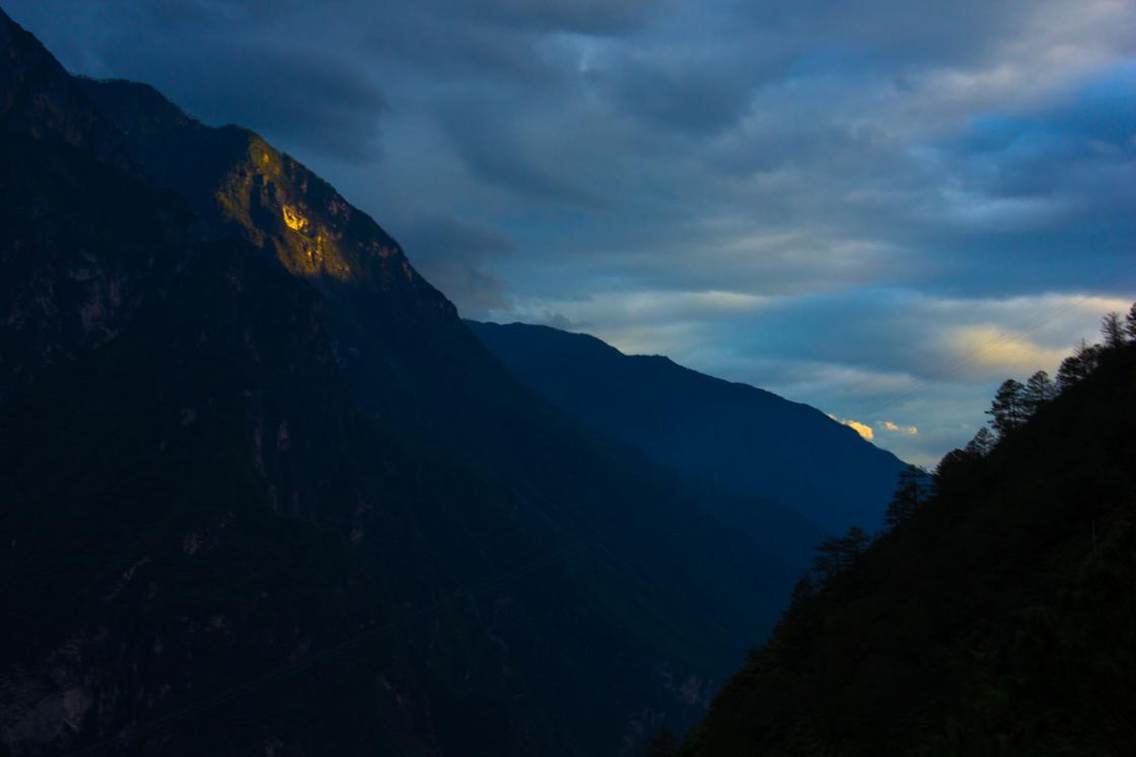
x: 803, y: 590
x: 1008, y: 411
x: 1130, y: 323
x: 910, y: 492
x: 1070, y: 372
x: 982, y: 443
x: 1038, y: 391
x: 951, y: 465
x: 837, y: 553
x: 856, y: 541
x: 1112, y: 329
x: 1078, y: 366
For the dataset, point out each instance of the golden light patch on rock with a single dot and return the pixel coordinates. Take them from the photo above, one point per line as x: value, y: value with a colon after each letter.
x: 265, y: 158
x: 293, y: 219
x: 319, y: 219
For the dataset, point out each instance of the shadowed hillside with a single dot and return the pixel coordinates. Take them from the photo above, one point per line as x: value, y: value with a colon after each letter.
x: 997, y: 616
x: 263, y: 491
x: 746, y: 440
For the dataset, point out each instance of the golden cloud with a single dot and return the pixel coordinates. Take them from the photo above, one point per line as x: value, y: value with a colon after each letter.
x: 863, y: 429
x: 991, y: 348
x: 895, y: 428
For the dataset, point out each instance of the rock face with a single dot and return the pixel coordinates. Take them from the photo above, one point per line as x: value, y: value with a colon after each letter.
x: 263, y: 491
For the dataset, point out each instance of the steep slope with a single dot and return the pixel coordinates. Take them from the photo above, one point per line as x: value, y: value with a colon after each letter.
x: 743, y: 439
x: 264, y: 491
x: 38, y: 98
x: 999, y: 620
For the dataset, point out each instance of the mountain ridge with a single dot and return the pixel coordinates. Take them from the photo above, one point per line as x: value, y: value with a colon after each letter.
x: 225, y: 460
x: 736, y: 436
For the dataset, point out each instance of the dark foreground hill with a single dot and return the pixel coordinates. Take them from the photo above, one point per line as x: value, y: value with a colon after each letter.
x: 999, y: 619
x: 262, y: 491
x: 735, y: 436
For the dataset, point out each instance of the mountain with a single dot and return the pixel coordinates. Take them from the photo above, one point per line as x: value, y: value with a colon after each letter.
x: 998, y: 619
x: 746, y: 440
x: 261, y: 490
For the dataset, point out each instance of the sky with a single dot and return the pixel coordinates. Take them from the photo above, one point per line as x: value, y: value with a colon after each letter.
x: 881, y: 208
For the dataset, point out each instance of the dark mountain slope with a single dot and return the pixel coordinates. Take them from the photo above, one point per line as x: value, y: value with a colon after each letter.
x: 76, y: 261
x: 743, y: 439
x: 38, y: 98
x: 167, y: 546
x: 999, y: 620
x: 393, y: 329
x: 263, y: 491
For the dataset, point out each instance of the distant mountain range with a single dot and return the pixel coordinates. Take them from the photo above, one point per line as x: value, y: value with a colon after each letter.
x: 745, y: 440
x: 262, y: 491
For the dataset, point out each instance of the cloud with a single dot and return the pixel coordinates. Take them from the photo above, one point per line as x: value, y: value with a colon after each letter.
x: 696, y: 97
x: 898, y: 429
x: 643, y: 306
x: 268, y: 75
x: 884, y: 207
x: 454, y: 255
x: 502, y: 155
x: 584, y: 16
x: 883, y: 354
x: 989, y: 347
x: 863, y: 429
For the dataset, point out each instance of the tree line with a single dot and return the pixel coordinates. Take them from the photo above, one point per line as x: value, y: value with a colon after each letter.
x: 1014, y: 404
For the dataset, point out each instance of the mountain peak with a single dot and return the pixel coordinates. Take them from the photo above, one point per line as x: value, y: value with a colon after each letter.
x: 39, y: 99
x: 136, y: 108
x: 237, y: 178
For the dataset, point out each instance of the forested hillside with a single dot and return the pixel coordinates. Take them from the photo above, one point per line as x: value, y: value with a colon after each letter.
x: 996, y: 614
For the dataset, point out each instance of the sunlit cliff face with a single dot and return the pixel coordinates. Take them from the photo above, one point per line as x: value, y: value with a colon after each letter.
x: 274, y: 201
x: 307, y: 248
x: 293, y: 220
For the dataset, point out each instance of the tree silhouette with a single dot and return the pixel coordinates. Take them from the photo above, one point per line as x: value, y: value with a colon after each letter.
x: 1130, y: 323
x: 803, y: 590
x: 910, y: 493
x: 1070, y: 372
x: 1112, y: 329
x: 1076, y: 367
x: 982, y: 443
x: 1008, y: 411
x: 1039, y: 390
x: 837, y: 553
x: 953, y: 464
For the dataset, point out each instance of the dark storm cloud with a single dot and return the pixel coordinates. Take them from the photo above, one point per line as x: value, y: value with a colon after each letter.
x: 847, y: 202
x: 583, y: 16
x: 498, y: 153
x: 453, y: 256
x: 224, y: 63
x: 314, y: 99
x: 1087, y: 140
x: 698, y: 97
x: 883, y: 32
